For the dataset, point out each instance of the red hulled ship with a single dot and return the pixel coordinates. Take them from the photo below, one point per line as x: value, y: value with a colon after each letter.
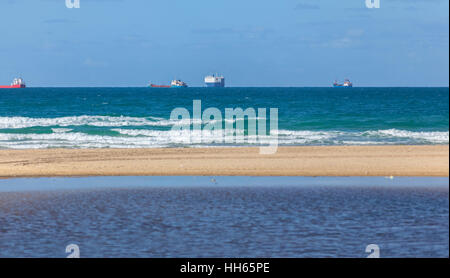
x: 174, y: 84
x: 17, y: 83
x: 159, y: 86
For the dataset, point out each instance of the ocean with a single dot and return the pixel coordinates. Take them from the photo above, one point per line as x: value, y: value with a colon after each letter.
x: 224, y: 216
x: 140, y: 117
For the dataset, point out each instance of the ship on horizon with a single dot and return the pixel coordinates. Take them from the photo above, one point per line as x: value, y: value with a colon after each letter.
x: 214, y: 81
x: 176, y: 83
x: 16, y: 84
x: 346, y: 83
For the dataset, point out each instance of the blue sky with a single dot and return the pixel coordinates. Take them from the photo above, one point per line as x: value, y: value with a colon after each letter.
x: 251, y: 42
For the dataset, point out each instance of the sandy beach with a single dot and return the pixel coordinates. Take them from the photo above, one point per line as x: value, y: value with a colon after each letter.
x: 242, y: 161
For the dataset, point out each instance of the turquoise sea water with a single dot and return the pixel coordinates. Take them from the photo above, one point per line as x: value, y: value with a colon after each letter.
x: 140, y: 117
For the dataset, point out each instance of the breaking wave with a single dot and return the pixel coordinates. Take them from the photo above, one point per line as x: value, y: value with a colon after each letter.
x: 121, y: 137
x: 98, y: 121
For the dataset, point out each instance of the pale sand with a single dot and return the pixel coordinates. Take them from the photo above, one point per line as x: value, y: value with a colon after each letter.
x: 241, y: 161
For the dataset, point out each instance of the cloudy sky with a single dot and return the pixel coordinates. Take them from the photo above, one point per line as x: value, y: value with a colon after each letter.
x: 251, y: 42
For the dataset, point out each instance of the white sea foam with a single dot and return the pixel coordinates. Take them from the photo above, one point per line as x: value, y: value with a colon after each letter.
x: 75, y: 140
x: 375, y: 137
x: 61, y: 130
x: 307, y: 134
x: 148, y: 138
x: 99, y: 121
x: 431, y: 136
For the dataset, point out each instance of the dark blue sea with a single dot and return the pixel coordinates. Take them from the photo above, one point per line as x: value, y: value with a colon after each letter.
x: 224, y: 217
x: 140, y: 117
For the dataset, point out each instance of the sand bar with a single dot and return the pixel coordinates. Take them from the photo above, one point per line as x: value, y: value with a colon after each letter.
x: 241, y: 161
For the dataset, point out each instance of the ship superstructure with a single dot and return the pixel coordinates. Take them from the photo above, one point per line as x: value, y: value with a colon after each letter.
x: 17, y: 83
x: 178, y: 83
x: 214, y: 81
x: 174, y: 84
x: 346, y: 83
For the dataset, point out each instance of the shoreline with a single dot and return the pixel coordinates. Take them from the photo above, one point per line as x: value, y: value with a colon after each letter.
x: 386, y: 160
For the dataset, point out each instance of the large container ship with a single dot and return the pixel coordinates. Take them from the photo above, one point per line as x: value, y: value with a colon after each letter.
x: 214, y: 81
x: 173, y: 84
x: 17, y: 83
x: 346, y: 83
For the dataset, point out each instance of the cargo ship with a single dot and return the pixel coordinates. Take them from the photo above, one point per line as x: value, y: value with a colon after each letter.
x: 17, y: 83
x: 178, y: 83
x: 214, y: 81
x: 346, y: 83
x: 174, y: 84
